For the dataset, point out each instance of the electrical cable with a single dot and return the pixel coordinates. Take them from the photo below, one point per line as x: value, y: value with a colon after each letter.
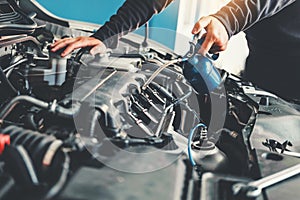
x: 190, y: 139
x: 15, y: 64
x: 161, y: 68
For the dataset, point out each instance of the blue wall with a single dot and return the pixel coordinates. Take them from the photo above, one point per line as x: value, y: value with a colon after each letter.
x: 99, y: 12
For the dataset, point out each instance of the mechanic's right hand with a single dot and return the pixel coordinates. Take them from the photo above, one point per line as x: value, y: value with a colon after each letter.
x: 70, y: 44
x: 216, y: 37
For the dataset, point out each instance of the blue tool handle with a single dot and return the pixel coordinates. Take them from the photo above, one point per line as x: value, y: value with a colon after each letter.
x: 209, y: 55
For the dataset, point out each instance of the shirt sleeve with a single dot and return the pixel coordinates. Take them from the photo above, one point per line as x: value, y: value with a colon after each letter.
x: 239, y: 15
x: 131, y: 15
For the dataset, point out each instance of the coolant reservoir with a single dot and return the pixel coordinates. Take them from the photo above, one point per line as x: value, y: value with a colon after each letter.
x: 58, y: 70
x: 209, y: 157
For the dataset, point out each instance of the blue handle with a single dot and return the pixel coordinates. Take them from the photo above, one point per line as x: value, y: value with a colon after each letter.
x: 209, y: 55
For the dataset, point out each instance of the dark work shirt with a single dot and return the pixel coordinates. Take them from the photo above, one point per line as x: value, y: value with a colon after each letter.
x: 131, y: 15
x: 272, y: 30
x: 271, y: 25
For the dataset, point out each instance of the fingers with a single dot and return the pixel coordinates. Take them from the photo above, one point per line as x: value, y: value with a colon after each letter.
x: 59, y: 44
x: 70, y: 44
x: 206, y: 45
x: 216, y: 37
x: 217, y: 49
x: 98, y: 49
x: 201, y: 24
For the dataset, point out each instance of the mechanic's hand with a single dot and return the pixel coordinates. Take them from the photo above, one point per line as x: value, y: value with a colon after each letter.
x: 216, y: 38
x: 70, y: 44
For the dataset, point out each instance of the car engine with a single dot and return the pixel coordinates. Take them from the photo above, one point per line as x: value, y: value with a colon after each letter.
x: 87, y: 127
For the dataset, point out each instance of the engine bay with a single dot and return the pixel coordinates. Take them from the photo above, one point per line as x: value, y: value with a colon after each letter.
x: 86, y: 127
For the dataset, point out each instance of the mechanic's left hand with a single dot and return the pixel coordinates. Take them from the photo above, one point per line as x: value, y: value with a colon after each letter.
x: 79, y: 42
x: 216, y: 38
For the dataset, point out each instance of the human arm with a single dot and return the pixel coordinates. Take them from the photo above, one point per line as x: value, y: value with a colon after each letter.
x: 131, y: 15
x: 236, y: 16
